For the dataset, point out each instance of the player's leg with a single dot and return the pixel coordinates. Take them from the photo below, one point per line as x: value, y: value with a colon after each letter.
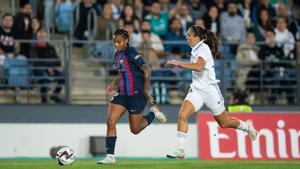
x: 186, y: 110
x: 137, y: 120
x: 215, y: 102
x: 115, y: 111
x: 192, y: 103
x: 226, y: 121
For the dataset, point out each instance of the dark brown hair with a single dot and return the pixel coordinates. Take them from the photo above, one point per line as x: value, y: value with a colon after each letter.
x: 209, y: 38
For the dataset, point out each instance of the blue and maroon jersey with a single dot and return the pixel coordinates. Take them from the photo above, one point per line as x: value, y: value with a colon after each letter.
x: 131, y: 77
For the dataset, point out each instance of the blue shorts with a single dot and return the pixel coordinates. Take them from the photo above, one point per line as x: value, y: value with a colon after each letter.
x: 134, y: 104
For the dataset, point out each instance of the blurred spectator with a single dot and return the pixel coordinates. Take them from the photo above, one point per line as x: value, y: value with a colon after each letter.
x: 36, y: 26
x: 7, y: 36
x: 211, y: 20
x: 47, y: 67
x: 220, y: 5
x: 265, y: 4
x: 247, y: 56
x: 149, y: 54
x: 134, y: 36
x: 166, y: 5
x: 185, y: 18
x: 199, y: 22
x: 233, y: 29
x: 106, y: 26
x: 128, y: 15
x: 176, y: 54
x: 117, y: 9
x: 197, y: 9
x: 272, y: 54
x: 238, y: 102
x: 295, y: 25
x: 139, y: 9
x: 264, y: 23
x: 284, y: 37
x: 156, y: 42
x: 84, y: 10
x: 283, y: 12
x: 158, y: 19
x: 9, y: 48
x: 63, y: 15
x: 176, y: 34
x: 49, y: 14
x: 248, y: 12
x: 22, y: 27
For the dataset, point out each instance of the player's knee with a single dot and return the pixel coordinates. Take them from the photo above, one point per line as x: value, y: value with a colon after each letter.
x: 111, y: 121
x: 182, y: 117
x: 135, y: 131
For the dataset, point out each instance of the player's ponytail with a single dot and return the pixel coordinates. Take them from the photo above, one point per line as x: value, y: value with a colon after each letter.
x: 209, y: 38
x: 213, y: 42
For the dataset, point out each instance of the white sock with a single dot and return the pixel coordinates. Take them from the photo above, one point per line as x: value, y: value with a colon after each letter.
x: 181, y: 138
x: 243, y: 126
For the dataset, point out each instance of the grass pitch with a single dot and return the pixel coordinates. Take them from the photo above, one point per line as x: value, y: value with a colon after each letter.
x: 150, y: 164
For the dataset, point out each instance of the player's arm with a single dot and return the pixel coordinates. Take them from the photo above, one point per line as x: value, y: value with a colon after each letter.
x: 112, y: 86
x: 197, y: 66
x: 147, y: 80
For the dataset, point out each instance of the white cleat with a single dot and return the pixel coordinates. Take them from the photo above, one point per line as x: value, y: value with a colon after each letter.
x: 178, y: 154
x: 251, y: 130
x: 158, y: 114
x: 109, y: 159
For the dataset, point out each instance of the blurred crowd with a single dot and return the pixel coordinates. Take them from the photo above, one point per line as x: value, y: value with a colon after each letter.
x: 254, y: 33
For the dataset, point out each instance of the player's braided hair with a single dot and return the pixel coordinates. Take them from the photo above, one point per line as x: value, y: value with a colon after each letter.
x: 122, y: 32
x: 209, y: 38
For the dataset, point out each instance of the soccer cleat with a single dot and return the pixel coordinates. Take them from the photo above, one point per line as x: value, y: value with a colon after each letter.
x: 109, y: 159
x: 158, y: 114
x: 251, y: 130
x: 178, y: 154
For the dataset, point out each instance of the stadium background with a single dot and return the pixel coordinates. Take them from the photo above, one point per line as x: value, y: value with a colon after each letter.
x: 29, y: 128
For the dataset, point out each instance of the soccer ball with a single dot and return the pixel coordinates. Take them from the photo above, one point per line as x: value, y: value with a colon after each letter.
x: 65, y: 156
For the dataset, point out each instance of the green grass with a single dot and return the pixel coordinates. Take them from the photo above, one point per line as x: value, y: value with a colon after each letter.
x: 150, y: 164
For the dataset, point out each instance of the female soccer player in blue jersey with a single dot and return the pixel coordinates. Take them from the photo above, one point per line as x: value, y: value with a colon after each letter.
x: 204, y: 88
x: 132, y: 93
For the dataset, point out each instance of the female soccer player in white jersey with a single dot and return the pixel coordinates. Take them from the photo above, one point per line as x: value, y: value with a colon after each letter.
x: 204, y: 88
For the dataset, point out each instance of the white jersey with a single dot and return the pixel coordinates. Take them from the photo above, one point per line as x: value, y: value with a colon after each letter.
x: 207, y: 76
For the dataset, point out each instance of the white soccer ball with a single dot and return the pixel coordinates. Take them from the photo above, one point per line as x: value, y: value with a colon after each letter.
x: 65, y: 156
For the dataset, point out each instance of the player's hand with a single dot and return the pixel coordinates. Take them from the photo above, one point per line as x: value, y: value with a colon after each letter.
x: 173, y: 63
x: 149, y: 98
x: 109, y: 89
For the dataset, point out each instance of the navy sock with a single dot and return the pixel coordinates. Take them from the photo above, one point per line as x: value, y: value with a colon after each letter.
x: 149, y: 117
x: 110, y: 144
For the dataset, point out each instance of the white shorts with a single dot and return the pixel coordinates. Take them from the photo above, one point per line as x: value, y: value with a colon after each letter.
x: 210, y: 96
